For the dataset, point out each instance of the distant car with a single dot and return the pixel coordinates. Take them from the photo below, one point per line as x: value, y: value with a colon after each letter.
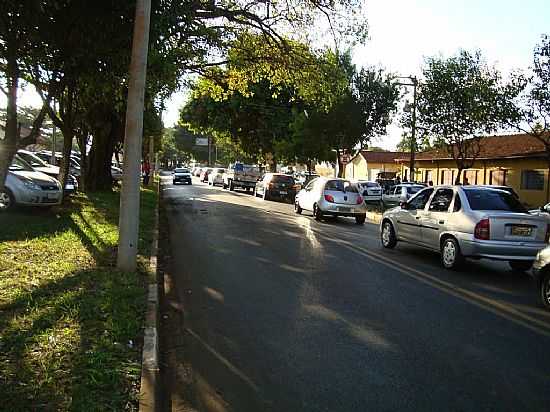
x: 400, y: 193
x: 541, y: 274
x: 25, y: 186
x: 505, y: 188
x: 216, y: 177
x: 181, y: 175
x: 204, y: 174
x: 197, y: 171
x: 276, y: 186
x: 467, y: 222
x: 116, y: 173
x: 371, y: 191
x: 40, y: 165
x: 331, y: 197
x: 74, y: 161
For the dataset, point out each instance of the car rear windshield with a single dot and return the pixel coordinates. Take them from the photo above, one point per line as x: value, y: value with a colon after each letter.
x: 282, y: 179
x: 485, y: 199
x: 371, y: 184
x: 414, y: 189
x: 340, y: 186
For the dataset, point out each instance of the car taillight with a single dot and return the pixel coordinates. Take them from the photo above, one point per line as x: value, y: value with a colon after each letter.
x: 329, y: 198
x: 547, y: 237
x: 483, y: 230
x: 359, y: 200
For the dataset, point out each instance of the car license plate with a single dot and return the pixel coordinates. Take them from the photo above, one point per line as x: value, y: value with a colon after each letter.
x: 344, y: 209
x: 52, y: 196
x: 521, y: 230
x: 283, y: 192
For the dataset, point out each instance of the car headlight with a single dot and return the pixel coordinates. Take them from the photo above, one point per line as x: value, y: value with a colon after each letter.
x: 29, y: 184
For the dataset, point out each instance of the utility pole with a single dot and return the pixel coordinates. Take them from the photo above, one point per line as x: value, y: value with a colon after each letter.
x: 414, y: 84
x: 54, y: 143
x: 128, y: 222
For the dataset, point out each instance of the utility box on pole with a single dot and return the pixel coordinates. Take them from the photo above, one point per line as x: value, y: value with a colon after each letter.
x: 128, y: 222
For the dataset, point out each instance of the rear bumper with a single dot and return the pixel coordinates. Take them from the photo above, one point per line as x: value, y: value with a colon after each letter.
x: 497, y: 250
x: 182, y: 180
x: 372, y: 198
x: 240, y: 183
x: 332, y: 209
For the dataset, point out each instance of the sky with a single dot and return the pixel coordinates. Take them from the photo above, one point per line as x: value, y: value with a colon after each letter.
x: 403, y: 32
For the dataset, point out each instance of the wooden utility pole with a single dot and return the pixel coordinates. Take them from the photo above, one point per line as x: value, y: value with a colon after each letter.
x: 128, y: 222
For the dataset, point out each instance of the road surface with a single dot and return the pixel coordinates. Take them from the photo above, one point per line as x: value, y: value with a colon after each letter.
x: 278, y: 312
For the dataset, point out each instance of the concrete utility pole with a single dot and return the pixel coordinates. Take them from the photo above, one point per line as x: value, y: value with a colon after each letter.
x: 128, y: 222
x: 414, y: 83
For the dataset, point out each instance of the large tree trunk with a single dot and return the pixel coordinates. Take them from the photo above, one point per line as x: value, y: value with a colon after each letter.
x: 8, y: 146
x: 64, y: 168
x: 82, y: 140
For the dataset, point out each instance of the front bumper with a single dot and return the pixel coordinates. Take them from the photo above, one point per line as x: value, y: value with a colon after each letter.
x: 38, y: 198
x: 498, y: 250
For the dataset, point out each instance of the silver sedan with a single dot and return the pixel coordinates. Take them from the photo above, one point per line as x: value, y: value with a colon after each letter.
x: 331, y: 197
x: 467, y: 221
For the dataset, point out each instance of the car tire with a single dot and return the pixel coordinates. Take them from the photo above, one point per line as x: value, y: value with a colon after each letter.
x: 297, y: 208
x: 387, y: 235
x: 7, y: 201
x: 545, y: 289
x: 231, y: 187
x: 520, y: 265
x: 451, y: 256
x: 360, y: 220
x: 317, y: 214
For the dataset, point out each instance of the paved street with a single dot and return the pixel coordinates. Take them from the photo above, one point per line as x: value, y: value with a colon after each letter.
x: 283, y: 313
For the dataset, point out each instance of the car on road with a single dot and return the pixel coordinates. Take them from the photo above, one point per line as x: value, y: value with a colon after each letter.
x: 541, y: 274
x: 371, y: 191
x: 240, y: 175
x: 204, y: 174
x: 25, y: 186
x: 40, y: 165
x: 276, y: 186
x: 331, y: 197
x: 400, y: 193
x: 216, y: 177
x: 181, y: 175
x: 467, y: 222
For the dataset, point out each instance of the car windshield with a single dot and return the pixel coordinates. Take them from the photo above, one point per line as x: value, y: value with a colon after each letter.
x: 220, y: 171
x: 340, y: 186
x: 182, y: 170
x: 20, y: 165
x: 486, y: 199
x: 282, y: 179
x: 33, y: 160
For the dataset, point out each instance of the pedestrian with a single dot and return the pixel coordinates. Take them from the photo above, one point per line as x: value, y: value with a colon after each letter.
x: 146, y: 170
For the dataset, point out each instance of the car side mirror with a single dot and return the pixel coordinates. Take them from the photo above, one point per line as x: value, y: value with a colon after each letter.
x: 404, y: 205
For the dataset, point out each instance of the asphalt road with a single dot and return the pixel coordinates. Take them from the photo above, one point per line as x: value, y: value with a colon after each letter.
x: 283, y: 313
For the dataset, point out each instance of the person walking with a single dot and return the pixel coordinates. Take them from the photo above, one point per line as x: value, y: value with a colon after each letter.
x: 146, y: 170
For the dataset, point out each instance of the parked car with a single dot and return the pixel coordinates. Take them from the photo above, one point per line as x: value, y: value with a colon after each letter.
x: 541, y: 274
x: 240, y: 175
x: 216, y: 177
x: 197, y: 171
x: 276, y: 186
x: 331, y: 197
x: 25, y: 186
x: 371, y: 191
x: 40, y: 165
x: 400, y: 193
x: 181, y: 175
x: 74, y: 167
x: 304, y: 178
x: 204, y: 174
x: 467, y: 222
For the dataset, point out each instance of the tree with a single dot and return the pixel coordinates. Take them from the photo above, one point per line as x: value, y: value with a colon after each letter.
x: 530, y: 105
x: 458, y: 101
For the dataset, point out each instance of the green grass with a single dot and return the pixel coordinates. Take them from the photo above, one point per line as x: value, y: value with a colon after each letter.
x: 70, y: 324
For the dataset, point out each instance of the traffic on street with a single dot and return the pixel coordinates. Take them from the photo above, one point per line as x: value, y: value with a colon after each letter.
x: 276, y: 310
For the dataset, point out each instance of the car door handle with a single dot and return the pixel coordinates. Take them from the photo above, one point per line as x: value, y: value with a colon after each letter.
x: 441, y: 222
x: 417, y: 217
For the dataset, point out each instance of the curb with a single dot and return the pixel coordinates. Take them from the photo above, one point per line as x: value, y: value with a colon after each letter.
x: 149, y: 389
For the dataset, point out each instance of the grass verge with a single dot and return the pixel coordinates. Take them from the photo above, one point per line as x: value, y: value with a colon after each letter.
x: 70, y: 324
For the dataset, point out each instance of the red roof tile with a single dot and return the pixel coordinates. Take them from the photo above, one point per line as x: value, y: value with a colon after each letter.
x: 383, y: 157
x: 495, y: 147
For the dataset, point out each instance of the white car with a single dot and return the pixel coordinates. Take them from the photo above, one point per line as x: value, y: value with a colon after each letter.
x: 24, y: 186
x: 371, y: 191
x: 181, y: 175
x: 331, y: 197
x: 216, y: 177
x: 40, y: 165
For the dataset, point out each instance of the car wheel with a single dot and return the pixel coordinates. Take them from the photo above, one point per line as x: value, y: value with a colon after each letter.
x: 6, y: 200
x: 360, y: 219
x: 317, y: 213
x: 297, y: 208
x: 545, y: 290
x: 451, y: 257
x: 231, y: 187
x: 387, y: 235
x: 520, y: 265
